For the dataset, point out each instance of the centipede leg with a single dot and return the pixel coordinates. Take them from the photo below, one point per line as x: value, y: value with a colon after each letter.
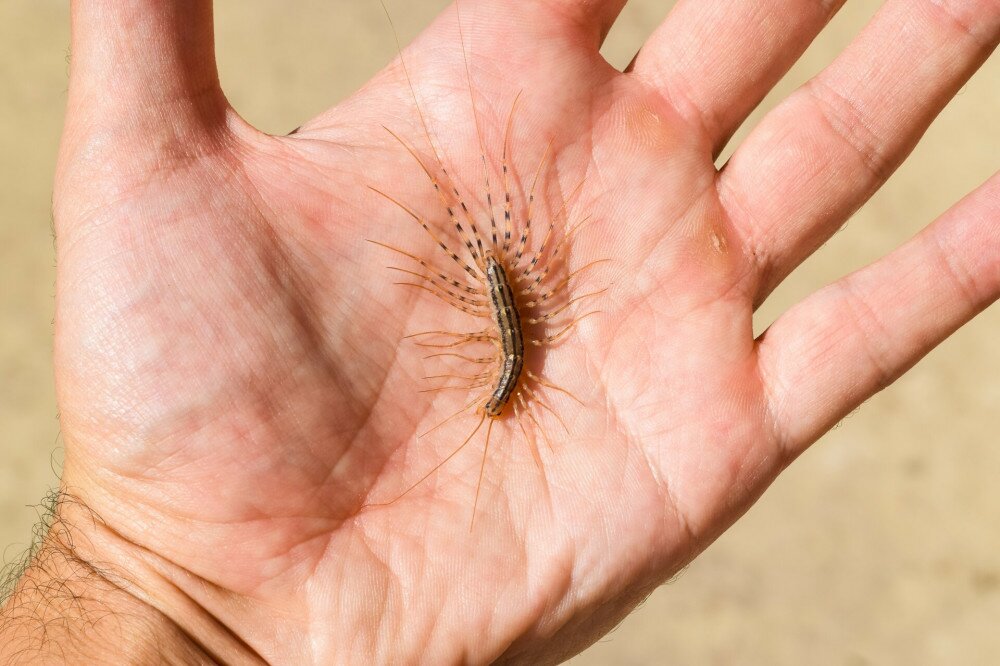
x: 477, y: 256
x: 557, y: 336
x: 444, y: 290
x: 505, y: 169
x: 482, y: 468
x: 534, y: 397
x: 539, y: 380
x: 457, y: 305
x: 479, y: 136
x: 553, y: 256
x: 453, y: 416
x: 531, y: 443
x: 458, y: 343
x: 479, y: 359
x: 559, y: 287
x: 426, y: 227
x: 526, y: 231
x: 538, y: 426
x: 453, y: 388
x: 436, y: 467
x: 562, y: 308
x: 483, y: 375
x: 545, y: 239
x: 433, y: 268
x: 452, y: 334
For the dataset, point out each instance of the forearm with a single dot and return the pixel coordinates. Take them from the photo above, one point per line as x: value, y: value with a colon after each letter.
x: 70, y: 606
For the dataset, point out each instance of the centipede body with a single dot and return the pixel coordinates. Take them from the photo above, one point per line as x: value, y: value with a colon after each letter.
x: 507, y: 319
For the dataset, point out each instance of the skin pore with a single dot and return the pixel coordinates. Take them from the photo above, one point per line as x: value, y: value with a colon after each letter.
x: 232, y: 383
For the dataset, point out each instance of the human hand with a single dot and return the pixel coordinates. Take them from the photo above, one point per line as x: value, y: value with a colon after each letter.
x: 234, y: 389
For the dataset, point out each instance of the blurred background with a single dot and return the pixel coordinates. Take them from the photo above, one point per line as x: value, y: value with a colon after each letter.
x: 880, y: 545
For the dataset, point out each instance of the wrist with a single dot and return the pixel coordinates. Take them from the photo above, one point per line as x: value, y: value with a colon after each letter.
x: 84, y: 597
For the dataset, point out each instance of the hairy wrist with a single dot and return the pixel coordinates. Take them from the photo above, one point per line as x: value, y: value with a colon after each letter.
x: 71, y: 605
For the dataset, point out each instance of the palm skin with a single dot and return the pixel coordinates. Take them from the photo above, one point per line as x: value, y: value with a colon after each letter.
x: 235, y: 390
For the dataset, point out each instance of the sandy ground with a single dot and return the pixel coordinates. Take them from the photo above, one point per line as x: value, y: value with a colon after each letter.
x: 878, y: 546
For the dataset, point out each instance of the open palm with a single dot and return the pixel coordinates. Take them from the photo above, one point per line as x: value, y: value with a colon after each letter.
x: 234, y: 386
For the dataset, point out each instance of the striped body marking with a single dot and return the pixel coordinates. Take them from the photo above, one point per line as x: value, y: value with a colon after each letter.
x: 504, y: 312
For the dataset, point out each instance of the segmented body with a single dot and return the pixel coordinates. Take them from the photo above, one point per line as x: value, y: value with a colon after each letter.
x: 505, y: 315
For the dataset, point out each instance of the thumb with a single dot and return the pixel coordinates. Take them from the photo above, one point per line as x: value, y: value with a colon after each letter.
x: 144, y: 67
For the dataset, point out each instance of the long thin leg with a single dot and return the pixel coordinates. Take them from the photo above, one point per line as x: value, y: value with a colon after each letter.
x: 550, y: 261
x: 475, y: 251
x: 479, y: 359
x: 452, y: 345
x: 478, y: 302
x: 479, y: 132
x: 482, y: 468
x: 458, y: 343
x: 453, y: 416
x: 522, y: 243
x: 548, y: 233
x: 563, y: 307
x: 477, y: 257
x: 531, y: 443
x: 504, y: 162
x: 542, y: 382
x: 562, y: 284
x: 553, y: 338
x: 451, y: 334
x: 464, y: 308
x: 436, y: 467
x: 465, y: 266
x: 527, y: 412
x: 483, y: 335
x: 482, y: 375
x: 534, y: 397
x: 438, y: 389
x: 469, y: 218
x: 434, y: 269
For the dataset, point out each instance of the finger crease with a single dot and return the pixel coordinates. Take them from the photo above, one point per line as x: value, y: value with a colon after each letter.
x: 948, y: 15
x: 847, y: 121
x: 963, y: 280
x: 865, y: 320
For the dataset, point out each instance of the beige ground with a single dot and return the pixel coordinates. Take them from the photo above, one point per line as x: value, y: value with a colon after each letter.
x: 881, y: 545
